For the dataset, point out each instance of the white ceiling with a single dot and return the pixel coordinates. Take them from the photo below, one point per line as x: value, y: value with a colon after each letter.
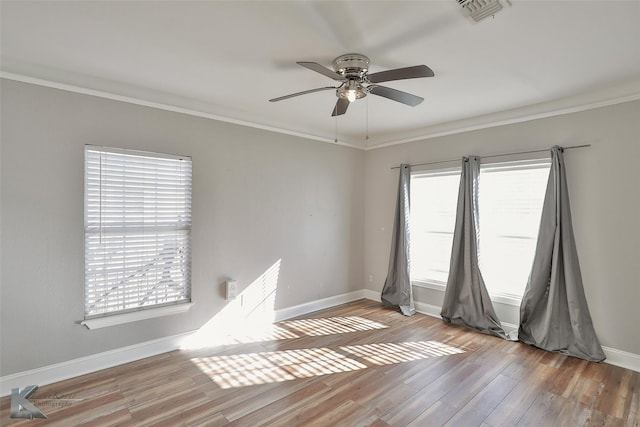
x: 225, y: 59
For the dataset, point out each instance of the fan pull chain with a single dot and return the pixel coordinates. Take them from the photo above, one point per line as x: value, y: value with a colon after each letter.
x: 336, y: 137
x: 366, y: 137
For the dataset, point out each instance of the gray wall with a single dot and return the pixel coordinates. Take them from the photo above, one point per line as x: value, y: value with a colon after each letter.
x: 257, y: 197
x: 604, y: 188
x: 260, y: 197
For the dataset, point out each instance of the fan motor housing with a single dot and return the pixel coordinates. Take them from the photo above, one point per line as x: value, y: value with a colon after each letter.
x: 351, y: 65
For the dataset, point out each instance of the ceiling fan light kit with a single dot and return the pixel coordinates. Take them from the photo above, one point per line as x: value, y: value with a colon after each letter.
x: 351, y: 70
x: 353, y: 67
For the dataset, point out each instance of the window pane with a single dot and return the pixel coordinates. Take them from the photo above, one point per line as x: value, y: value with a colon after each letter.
x: 510, y: 198
x: 137, y: 230
x: 433, y: 212
x: 510, y: 201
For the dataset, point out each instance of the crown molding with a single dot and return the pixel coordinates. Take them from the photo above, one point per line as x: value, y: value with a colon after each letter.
x: 167, y: 107
x: 504, y: 118
x: 629, y: 93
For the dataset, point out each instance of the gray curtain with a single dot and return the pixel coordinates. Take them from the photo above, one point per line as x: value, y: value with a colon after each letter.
x: 466, y: 300
x: 397, y: 286
x: 553, y: 314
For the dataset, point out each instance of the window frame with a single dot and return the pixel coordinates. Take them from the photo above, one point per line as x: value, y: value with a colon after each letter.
x: 180, y: 226
x: 433, y: 170
x: 508, y: 163
x: 513, y: 165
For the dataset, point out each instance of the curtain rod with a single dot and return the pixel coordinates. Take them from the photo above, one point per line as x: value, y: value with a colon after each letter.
x: 494, y: 155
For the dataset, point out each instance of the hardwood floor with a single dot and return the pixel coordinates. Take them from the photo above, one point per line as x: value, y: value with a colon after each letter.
x: 353, y: 365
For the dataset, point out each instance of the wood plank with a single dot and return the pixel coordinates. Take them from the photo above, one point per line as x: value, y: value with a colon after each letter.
x: 521, y: 397
x: 482, y: 404
x: 437, y: 415
x: 493, y: 382
x: 314, y: 391
x: 544, y: 411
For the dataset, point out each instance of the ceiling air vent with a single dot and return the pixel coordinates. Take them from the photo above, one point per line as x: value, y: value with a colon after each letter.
x: 480, y: 9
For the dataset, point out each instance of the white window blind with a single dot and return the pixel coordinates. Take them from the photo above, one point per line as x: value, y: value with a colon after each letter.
x: 433, y: 215
x: 137, y: 230
x: 510, y: 197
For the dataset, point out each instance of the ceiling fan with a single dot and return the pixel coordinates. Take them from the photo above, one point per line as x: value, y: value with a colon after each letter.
x: 352, y: 71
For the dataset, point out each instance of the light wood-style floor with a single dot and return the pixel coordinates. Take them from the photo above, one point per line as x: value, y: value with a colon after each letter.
x: 353, y: 365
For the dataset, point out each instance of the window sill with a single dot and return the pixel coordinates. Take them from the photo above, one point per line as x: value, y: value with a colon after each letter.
x: 506, y: 299
x: 134, y: 316
x: 436, y: 286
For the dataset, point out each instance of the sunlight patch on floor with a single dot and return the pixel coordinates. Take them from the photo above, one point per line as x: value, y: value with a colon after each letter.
x: 389, y: 353
x: 240, y: 370
x: 332, y: 325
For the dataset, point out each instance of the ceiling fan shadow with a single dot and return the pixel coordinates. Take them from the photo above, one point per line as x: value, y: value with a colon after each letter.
x: 337, y: 24
x: 424, y: 30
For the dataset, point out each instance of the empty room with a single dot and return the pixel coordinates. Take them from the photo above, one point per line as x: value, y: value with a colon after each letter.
x: 320, y: 213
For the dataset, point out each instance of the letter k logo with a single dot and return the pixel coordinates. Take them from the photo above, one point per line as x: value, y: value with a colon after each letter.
x: 21, y: 407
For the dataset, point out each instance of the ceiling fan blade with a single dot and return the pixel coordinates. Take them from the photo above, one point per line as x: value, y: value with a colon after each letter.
x: 396, y: 95
x: 304, y: 92
x: 401, y: 74
x: 341, y: 107
x: 314, y: 66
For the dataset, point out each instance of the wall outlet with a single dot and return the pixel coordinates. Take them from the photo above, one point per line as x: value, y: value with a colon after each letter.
x: 371, y: 278
x: 231, y: 289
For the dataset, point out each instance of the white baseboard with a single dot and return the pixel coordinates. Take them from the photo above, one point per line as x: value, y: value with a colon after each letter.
x: 95, y: 362
x: 92, y: 363
x: 615, y: 357
x: 321, y: 304
x: 372, y: 295
x: 622, y: 358
x: 421, y: 307
x: 428, y: 309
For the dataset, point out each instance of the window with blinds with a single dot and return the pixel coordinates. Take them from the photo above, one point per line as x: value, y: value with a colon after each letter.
x: 432, y: 219
x: 137, y: 216
x: 510, y: 197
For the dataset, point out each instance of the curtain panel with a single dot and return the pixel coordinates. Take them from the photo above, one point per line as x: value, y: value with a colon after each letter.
x: 397, y: 290
x: 554, y: 314
x: 466, y: 299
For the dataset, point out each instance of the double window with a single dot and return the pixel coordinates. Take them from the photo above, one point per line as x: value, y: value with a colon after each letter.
x: 510, y: 199
x: 137, y: 217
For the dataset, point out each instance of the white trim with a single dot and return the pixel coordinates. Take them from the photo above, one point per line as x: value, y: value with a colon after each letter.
x: 321, y: 304
x: 134, y: 316
x: 428, y: 309
x: 166, y: 107
x: 131, y: 152
x: 451, y: 128
x: 506, y: 299
x: 622, y: 358
x: 88, y: 364
x: 614, y: 356
x: 95, y: 362
x: 497, y: 298
x: 372, y: 295
x: 456, y: 128
x: 429, y: 285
